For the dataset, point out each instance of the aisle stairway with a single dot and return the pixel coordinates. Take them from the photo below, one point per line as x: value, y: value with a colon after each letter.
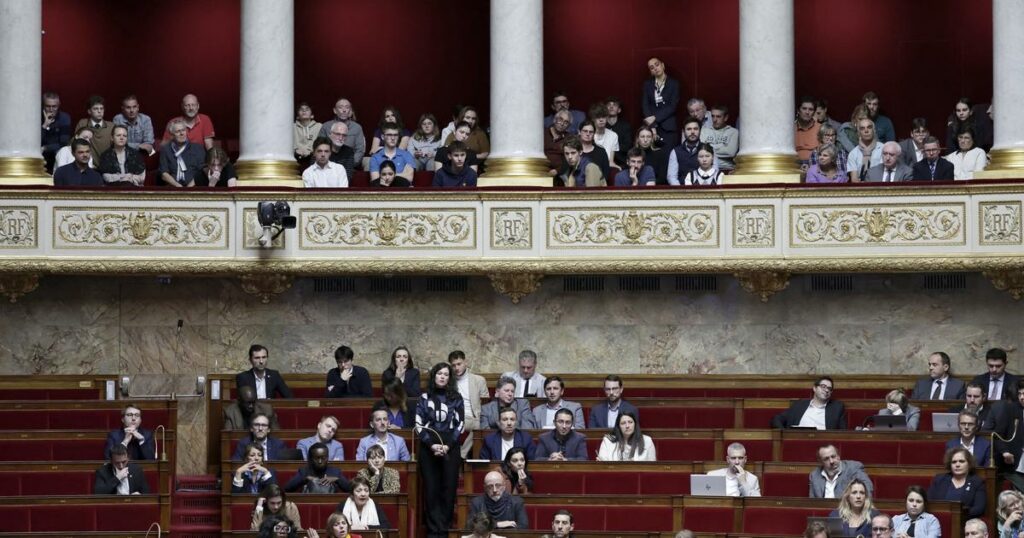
x: 195, y: 507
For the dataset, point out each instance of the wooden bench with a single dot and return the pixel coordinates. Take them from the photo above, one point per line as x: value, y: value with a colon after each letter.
x: 236, y: 510
x: 82, y: 415
x: 57, y: 387
x: 63, y: 445
x: 108, y: 513
x: 69, y: 478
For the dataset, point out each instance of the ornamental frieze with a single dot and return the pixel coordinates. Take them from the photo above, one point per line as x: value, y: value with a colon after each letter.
x: 19, y: 227
x: 675, y: 227
x: 394, y: 228
x: 1000, y: 223
x: 158, y: 228
x: 871, y: 225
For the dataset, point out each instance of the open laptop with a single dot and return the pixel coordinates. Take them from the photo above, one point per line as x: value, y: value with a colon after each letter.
x: 707, y: 485
x: 889, y: 422
x: 945, y: 422
x: 833, y: 524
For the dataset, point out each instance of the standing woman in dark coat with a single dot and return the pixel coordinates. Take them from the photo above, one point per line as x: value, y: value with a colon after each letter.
x: 404, y: 369
x: 439, y: 422
x: 660, y: 101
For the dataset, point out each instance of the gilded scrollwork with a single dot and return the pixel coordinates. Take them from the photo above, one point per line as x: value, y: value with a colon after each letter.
x: 19, y: 227
x: 1000, y: 223
x: 511, y: 228
x: 14, y: 286
x: 877, y: 225
x: 411, y: 229
x: 265, y: 285
x: 764, y: 284
x: 1008, y: 280
x: 140, y: 228
x: 753, y: 226
x: 515, y: 285
x: 647, y: 227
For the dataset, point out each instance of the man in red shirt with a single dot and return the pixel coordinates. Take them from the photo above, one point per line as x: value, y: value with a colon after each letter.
x: 200, y: 126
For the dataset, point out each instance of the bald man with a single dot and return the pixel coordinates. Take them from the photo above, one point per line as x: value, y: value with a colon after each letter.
x: 200, y: 126
x: 507, y: 510
x: 892, y: 168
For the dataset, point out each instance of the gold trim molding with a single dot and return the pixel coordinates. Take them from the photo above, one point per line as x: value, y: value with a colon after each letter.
x: 268, y: 173
x: 24, y: 171
x: 1003, y: 159
x: 1008, y: 280
x: 752, y: 167
x: 14, y: 286
x: 515, y: 285
x: 516, y: 172
x: 764, y: 284
x: 265, y: 286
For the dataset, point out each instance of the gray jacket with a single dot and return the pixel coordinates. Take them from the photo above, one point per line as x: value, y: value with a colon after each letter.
x: 525, y: 421
x: 848, y: 471
x: 540, y: 414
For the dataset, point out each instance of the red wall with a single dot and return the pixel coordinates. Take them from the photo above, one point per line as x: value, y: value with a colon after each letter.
x: 919, y: 55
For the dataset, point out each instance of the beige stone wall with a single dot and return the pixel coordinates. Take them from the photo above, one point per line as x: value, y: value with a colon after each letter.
x: 128, y: 325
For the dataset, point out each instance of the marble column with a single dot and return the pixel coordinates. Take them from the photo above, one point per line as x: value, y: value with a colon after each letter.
x: 1007, y: 90
x: 767, y: 95
x: 21, y: 81
x: 517, y: 95
x: 268, y: 94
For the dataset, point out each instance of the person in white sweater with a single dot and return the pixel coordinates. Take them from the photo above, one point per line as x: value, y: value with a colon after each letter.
x: 626, y: 442
x: 968, y: 158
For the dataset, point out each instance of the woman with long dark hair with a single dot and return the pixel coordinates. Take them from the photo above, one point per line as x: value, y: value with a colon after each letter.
x: 393, y: 398
x: 516, y: 471
x: 626, y: 442
x: 439, y: 422
x: 403, y: 369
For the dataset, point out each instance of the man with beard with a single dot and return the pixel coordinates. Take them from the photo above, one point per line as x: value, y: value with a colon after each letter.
x: 683, y: 158
x: 507, y: 510
x: 562, y: 443
x: 497, y: 444
x: 259, y: 435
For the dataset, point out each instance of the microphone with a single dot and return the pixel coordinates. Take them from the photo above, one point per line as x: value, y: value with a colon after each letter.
x: 181, y: 322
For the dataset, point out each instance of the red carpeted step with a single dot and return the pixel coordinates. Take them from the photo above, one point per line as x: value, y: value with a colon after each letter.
x: 195, y: 507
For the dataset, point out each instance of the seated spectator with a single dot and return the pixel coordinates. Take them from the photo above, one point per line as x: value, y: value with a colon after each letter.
x: 529, y: 382
x: 477, y: 141
x: 977, y: 445
x: 828, y: 135
x: 271, y: 503
x: 497, y: 444
x: 559, y: 102
x: 139, y: 125
x: 325, y: 431
x: 554, y: 389
x: 325, y: 173
x: 505, y: 396
x: 450, y: 128
x: 833, y: 475
x: 396, y: 403
x: 820, y: 411
x: 706, y: 173
x: 577, y: 170
x: 361, y: 511
x: 199, y: 127
x: 389, y: 178
x: 348, y: 380
x: 913, y: 147
x: 345, y: 114
x: 607, y: 412
x: 455, y: 173
x: 883, y: 125
x: 562, y: 443
x: 683, y: 158
x: 56, y: 129
x: 848, y: 134
x: 390, y: 114
x: 120, y: 165
x: 939, y: 385
x: 916, y: 521
x: 341, y: 151
x: 562, y: 526
x: 1009, y: 513
x: 460, y: 134
x: 381, y: 436
x: 79, y: 173
x: 318, y: 476
x: 252, y: 476
x: 515, y: 468
x: 855, y: 509
x: 866, y: 154
x: 508, y: 511
x: 137, y: 440
x: 181, y: 158
x: 280, y: 527
x: 604, y: 137
x: 267, y: 383
x: 960, y: 483
x: 965, y: 116
x: 481, y: 525
x: 968, y: 158
x: 897, y: 404
x: 723, y: 137
x: 102, y: 130
x: 653, y: 156
x: 806, y: 134
x: 390, y: 151
x: 259, y: 435
x: 636, y: 173
x: 815, y: 529
x: 119, y: 476
x: 403, y: 368
x: 738, y: 481
x: 975, y: 528
x: 382, y: 479
x: 594, y: 153
x: 975, y: 402
x: 65, y: 156
x: 554, y: 137
x: 424, y: 142
x: 338, y: 527
x: 621, y: 127
x: 697, y: 108
x: 932, y: 167
x: 239, y: 415
x: 821, y: 116
x: 218, y: 171
x: 827, y: 169
x: 304, y: 132
x: 626, y: 442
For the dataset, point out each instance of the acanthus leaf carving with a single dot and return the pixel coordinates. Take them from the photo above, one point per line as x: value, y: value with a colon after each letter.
x: 515, y: 285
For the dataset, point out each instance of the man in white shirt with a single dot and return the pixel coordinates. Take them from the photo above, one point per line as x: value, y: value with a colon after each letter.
x: 472, y: 387
x: 820, y: 412
x: 554, y: 388
x: 324, y: 173
x: 604, y: 137
x: 830, y: 478
x: 939, y: 385
x: 528, y: 382
x: 738, y: 481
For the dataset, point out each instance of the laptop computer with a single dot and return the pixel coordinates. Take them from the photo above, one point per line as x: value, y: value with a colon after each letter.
x: 833, y: 524
x: 707, y: 485
x: 945, y: 422
x: 889, y: 422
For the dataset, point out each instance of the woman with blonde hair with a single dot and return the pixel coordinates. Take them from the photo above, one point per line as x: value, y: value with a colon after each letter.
x: 1009, y: 513
x: 897, y: 404
x: 855, y: 509
x: 338, y: 526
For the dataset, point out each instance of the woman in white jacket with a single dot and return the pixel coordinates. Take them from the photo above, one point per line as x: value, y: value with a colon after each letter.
x: 968, y: 158
x: 626, y: 443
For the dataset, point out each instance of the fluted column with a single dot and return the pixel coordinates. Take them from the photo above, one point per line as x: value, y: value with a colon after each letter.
x: 1007, y: 90
x: 767, y: 153
x: 268, y: 94
x: 517, y: 95
x: 21, y: 81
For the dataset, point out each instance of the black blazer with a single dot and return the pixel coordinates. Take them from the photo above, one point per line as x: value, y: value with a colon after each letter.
x: 146, y: 450
x: 275, y: 383
x: 835, y: 415
x: 1007, y: 422
x: 665, y: 115
x: 358, y: 386
x: 412, y: 381
x: 106, y: 483
x: 971, y: 496
x: 943, y: 170
x: 1009, y: 385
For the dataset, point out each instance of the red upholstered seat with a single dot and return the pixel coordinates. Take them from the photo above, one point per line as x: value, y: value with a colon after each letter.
x: 555, y: 482
x: 683, y: 417
x: 611, y: 483
x: 784, y: 484
x: 306, y: 418
x: 759, y: 418
x: 15, y: 518
x: 63, y: 518
x: 359, y: 179
x: 423, y: 179
x: 49, y: 394
x: 707, y: 518
x: 64, y: 483
x: 685, y: 449
x: 789, y: 519
x: 638, y: 518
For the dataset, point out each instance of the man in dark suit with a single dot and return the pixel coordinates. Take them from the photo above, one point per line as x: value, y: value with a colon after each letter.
x: 976, y: 402
x: 265, y: 381
x: 891, y: 168
x: 939, y: 385
x: 259, y: 434
x: 660, y: 101
x: 911, y: 146
x: 997, y: 383
x: 239, y: 415
x: 562, y: 443
x: 606, y: 412
x: 120, y: 476
x: 505, y: 396
x: 1008, y: 427
x: 819, y: 412
x: 509, y: 433
x: 136, y: 439
x: 980, y: 447
x: 348, y: 380
x: 932, y: 167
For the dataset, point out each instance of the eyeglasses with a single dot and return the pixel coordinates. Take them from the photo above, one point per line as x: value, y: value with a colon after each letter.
x: 587, y: 131
x: 259, y: 426
x: 280, y: 527
x: 880, y: 529
x: 133, y: 414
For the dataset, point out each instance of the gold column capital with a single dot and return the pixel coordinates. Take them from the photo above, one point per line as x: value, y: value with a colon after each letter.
x: 24, y: 172
x: 516, y: 172
x: 268, y: 173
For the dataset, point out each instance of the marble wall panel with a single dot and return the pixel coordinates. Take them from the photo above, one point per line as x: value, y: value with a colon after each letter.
x: 67, y: 301
x: 702, y: 349
x: 148, y: 302
x: 580, y: 348
x: 828, y: 349
x: 965, y: 343
x: 57, y: 349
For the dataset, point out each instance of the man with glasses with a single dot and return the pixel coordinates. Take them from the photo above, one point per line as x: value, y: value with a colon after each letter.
x: 819, y: 412
x: 913, y: 147
x: 554, y: 137
x: 403, y: 160
x: 978, y: 446
x: 559, y: 102
x: 881, y: 526
x: 892, y: 167
x: 341, y: 152
x: 344, y: 113
x: 933, y: 167
x: 259, y: 434
x: 137, y: 440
